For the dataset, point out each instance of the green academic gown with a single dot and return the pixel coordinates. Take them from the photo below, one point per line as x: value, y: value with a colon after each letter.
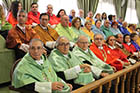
x: 67, y: 32
x: 98, y: 65
x: 61, y: 63
x: 80, y: 32
x: 28, y: 71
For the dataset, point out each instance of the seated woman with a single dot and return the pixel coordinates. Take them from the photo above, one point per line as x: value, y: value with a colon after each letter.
x: 60, y: 13
x: 134, y: 38
x: 127, y: 44
x: 76, y: 27
x: 87, y: 29
x: 4, y: 26
x: 115, y: 51
x: 12, y: 15
x: 114, y: 28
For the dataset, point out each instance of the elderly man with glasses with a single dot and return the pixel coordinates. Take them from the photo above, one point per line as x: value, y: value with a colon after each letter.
x: 99, y: 68
x: 102, y: 51
x: 34, y: 72
x: 69, y: 67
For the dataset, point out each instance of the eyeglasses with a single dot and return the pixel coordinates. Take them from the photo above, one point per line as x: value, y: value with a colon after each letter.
x: 99, y: 39
x: 36, y: 48
x: 112, y: 39
x: 83, y: 42
x: 64, y: 44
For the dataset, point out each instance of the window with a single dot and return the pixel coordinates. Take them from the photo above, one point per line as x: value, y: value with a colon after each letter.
x: 106, y: 6
x: 131, y: 16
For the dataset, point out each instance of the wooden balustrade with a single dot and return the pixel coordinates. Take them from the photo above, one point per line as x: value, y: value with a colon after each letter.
x: 124, y: 81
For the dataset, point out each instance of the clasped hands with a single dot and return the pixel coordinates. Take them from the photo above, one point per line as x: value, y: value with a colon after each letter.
x: 86, y: 67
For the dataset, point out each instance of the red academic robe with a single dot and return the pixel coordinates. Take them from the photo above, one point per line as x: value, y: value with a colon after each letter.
x: 16, y: 36
x: 10, y: 18
x: 106, y: 56
x: 53, y: 20
x: 131, y: 48
x: 33, y: 18
x: 117, y: 52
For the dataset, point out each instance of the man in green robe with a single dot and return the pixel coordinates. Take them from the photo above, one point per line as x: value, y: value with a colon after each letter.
x: 68, y: 66
x: 34, y: 72
x: 63, y: 29
x: 82, y: 51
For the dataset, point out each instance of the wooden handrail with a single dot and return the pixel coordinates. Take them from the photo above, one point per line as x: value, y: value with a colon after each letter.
x: 105, y: 80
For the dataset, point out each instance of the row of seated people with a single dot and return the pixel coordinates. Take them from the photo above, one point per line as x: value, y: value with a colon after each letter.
x: 109, y: 27
x: 82, y: 65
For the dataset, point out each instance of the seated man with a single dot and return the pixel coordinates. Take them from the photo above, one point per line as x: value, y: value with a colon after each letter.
x: 45, y: 32
x: 34, y: 72
x: 68, y: 66
x: 63, y: 29
x: 33, y: 15
x: 102, y: 51
x: 87, y: 56
x: 19, y: 36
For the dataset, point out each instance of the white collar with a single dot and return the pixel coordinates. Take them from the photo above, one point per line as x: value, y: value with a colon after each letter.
x: 43, y: 27
x: 128, y: 44
x: 40, y: 62
x: 112, y: 47
x: 22, y: 28
x: 66, y: 55
x: 86, y: 51
x: 120, y: 45
x: 100, y: 47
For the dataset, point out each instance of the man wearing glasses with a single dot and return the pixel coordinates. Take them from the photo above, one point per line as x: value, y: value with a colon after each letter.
x: 34, y: 72
x: 68, y: 66
x: 102, y: 51
x: 98, y: 67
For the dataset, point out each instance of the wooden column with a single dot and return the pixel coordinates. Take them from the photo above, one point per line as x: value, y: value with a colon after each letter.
x: 127, y: 90
x: 116, y: 82
x: 133, y: 80
x: 123, y: 83
x: 138, y: 80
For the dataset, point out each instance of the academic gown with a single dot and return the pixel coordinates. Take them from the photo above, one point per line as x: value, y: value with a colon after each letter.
x: 46, y: 35
x: 121, y: 56
x: 16, y: 36
x: 64, y: 64
x: 67, y: 32
x: 92, y: 60
x: 10, y: 18
x: 33, y: 18
x: 106, y: 56
x: 129, y: 48
x: 89, y: 33
x: 80, y: 32
x: 28, y: 71
x: 106, y: 31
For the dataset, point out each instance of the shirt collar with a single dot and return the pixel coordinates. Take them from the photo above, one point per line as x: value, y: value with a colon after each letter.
x: 22, y: 28
x: 86, y: 51
x: 43, y: 27
x: 40, y: 62
x: 112, y: 47
x: 100, y: 47
x: 128, y: 44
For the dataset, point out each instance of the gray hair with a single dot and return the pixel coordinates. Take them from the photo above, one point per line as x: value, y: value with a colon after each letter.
x: 98, y: 34
x: 35, y: 40
x: 58, y: 40
x: 79, y: 37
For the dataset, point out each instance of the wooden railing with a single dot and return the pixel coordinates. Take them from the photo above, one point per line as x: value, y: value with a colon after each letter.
x: 127, y: 79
